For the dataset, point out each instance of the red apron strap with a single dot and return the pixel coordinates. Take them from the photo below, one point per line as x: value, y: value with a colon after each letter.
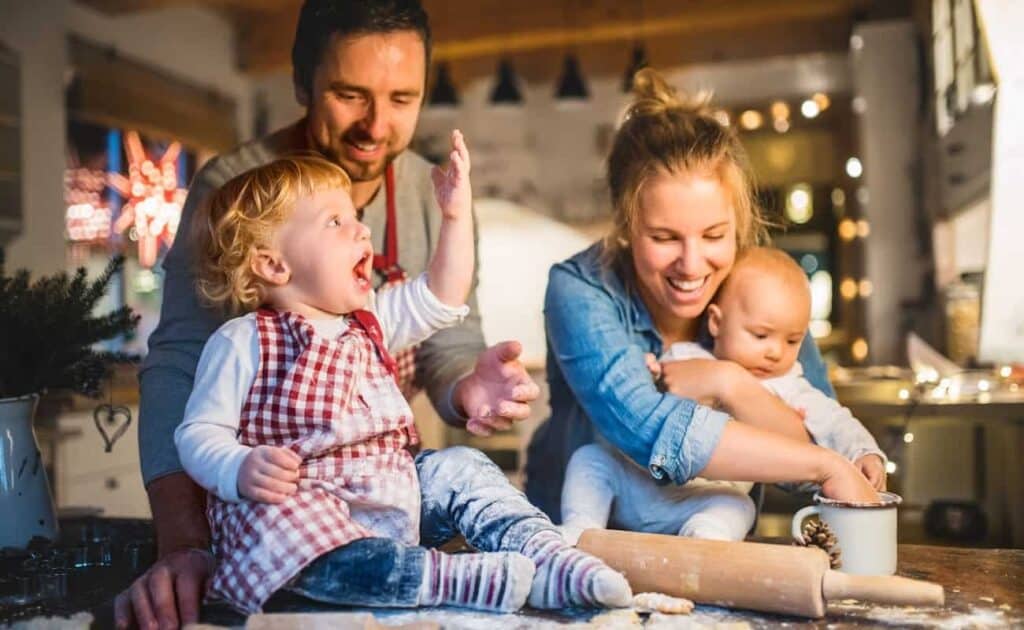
x: 388, y: 261
x: 368, y: 322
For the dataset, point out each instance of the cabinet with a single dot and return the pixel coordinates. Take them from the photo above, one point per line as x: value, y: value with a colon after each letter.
x: 88, y: 477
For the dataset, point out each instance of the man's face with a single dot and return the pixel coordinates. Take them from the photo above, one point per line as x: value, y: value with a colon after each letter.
x: 366, y: 99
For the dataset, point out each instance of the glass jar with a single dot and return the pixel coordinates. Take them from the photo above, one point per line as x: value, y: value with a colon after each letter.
x: 963, y: 320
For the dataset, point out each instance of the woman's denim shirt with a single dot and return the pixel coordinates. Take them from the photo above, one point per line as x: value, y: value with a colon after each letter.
x: 598, y: 331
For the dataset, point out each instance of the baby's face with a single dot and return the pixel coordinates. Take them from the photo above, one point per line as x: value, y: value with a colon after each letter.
x: 760, y: 324
x: 328, y: 252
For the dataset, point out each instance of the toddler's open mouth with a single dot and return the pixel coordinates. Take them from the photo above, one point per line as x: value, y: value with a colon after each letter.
x: 362, y: 270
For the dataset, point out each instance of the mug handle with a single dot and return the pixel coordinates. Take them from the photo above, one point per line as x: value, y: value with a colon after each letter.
x: 798, y: 520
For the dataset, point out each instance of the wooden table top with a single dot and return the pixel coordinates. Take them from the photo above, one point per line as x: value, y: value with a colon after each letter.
x: 984, y: 589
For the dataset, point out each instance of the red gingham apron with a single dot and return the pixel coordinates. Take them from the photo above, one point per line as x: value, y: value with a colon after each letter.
x: 335, y: 402
x: 387, y: 265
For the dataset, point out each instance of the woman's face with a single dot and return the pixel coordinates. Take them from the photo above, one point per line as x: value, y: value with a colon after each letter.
x: 683, y: 245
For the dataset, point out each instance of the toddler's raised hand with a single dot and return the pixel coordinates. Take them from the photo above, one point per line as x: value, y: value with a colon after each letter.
x: 451, y: 185
x: 269, y: 474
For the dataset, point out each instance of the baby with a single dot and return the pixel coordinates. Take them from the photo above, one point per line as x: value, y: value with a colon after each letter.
x: 298, y: 430
x: 758, y: 319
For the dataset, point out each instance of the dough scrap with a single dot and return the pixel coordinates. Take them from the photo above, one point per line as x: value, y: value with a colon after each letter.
x: 661, y: 603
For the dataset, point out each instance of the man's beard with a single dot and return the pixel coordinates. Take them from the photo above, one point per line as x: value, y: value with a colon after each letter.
x: 363, y: 171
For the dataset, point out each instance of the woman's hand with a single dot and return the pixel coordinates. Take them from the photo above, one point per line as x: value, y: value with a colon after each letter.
x: 269, y: 474
x: 872, y: 466
x: 844, y: 482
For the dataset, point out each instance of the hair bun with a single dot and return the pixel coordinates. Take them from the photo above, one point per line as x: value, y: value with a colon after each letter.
x: 654, y: 96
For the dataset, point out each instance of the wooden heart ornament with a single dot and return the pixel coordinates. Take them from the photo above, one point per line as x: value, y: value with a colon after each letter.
x: 111, y: 421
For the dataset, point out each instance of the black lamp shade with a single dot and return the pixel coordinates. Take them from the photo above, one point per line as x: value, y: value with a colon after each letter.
x: 637, y: 62
x: 571, y: 85
x: 506, y: 90
x: 443, y: 92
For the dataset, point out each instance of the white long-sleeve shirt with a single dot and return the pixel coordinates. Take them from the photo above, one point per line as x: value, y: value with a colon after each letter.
x: 829, y: 424
x: 207, y: 439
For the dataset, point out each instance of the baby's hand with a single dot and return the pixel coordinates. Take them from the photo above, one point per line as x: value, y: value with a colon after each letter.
x: 652, y: 364
x: 873, y: 468
x: 451, y: 185
x: 845, y: 482
x: 269, y: 474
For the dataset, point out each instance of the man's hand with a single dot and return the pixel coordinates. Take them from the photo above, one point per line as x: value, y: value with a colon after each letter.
x: 872, y: 467
x: 168, y: 594
x: 497, y: 392
x: 269, y: 474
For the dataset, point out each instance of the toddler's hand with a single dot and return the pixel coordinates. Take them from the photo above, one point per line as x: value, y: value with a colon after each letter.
x: 269, y: 474
x: 873, y: 468
x: 451, y: 185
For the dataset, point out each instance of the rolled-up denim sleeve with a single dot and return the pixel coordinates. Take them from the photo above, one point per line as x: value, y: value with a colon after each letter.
x: 166, y: 377
x: 674, y: 437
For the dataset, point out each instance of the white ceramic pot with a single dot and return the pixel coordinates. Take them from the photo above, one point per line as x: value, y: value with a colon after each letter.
x: 26, y: 504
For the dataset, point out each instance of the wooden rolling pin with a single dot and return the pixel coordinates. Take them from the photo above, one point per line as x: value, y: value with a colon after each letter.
x: 771, y: 578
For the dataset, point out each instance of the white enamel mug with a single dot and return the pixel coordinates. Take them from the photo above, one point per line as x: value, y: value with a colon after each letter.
x: 865, y: 533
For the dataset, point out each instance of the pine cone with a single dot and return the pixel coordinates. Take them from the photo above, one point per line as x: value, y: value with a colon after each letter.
x: 817, y: 533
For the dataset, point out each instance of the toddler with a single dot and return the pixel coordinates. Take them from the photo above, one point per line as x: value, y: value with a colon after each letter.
x: 298, y: 430
x: 758, y: 319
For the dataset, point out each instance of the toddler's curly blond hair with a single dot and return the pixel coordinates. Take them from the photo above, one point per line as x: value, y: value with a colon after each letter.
x: 241, y: 217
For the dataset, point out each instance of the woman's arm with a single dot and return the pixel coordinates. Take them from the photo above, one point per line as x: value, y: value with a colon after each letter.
x: 747, y: 453
x: 738, y: 392
x: 604, y: 367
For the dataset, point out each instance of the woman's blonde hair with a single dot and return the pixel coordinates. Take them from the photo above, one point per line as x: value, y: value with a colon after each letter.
x: 663, y: 131
x: 241, y: 217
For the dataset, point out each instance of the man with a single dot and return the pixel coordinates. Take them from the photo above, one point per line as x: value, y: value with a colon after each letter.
x: 359, y: 69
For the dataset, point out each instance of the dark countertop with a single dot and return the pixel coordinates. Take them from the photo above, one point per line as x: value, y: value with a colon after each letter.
x: 983, y: 589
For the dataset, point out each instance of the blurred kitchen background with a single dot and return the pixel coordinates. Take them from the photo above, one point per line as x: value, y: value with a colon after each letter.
x: 872, y: 125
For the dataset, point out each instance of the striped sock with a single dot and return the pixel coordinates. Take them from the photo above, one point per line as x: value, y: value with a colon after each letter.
x: 569, y: 577
x: 493, y: 581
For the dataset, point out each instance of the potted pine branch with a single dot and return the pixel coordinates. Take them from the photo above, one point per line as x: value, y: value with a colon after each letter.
x: 48, y: 337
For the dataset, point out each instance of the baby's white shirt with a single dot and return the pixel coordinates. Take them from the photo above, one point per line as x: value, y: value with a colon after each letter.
x: 207, y: 438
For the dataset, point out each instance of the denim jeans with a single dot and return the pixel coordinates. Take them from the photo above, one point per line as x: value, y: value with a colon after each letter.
x: 463, y: 493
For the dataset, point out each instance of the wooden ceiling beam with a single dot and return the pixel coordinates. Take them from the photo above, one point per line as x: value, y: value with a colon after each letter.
x: 114, y: 7
x: 468, y: 34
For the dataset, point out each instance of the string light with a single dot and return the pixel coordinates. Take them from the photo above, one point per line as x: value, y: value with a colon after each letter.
x: 847, y: 230
x: 779, y: 110
x: 751, y: 120
x: 854, y: 168
x: 859, y: 349
x: 848, y: 288
x: 863, y: 228
x: 866, y: 288
x: 821, y: 100
x: 800, y: 204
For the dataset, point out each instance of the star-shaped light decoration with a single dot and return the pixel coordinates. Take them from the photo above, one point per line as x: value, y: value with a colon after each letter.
x: 153, y: 201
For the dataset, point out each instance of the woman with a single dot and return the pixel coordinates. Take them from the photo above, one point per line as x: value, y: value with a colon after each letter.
x: 683, y: 206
